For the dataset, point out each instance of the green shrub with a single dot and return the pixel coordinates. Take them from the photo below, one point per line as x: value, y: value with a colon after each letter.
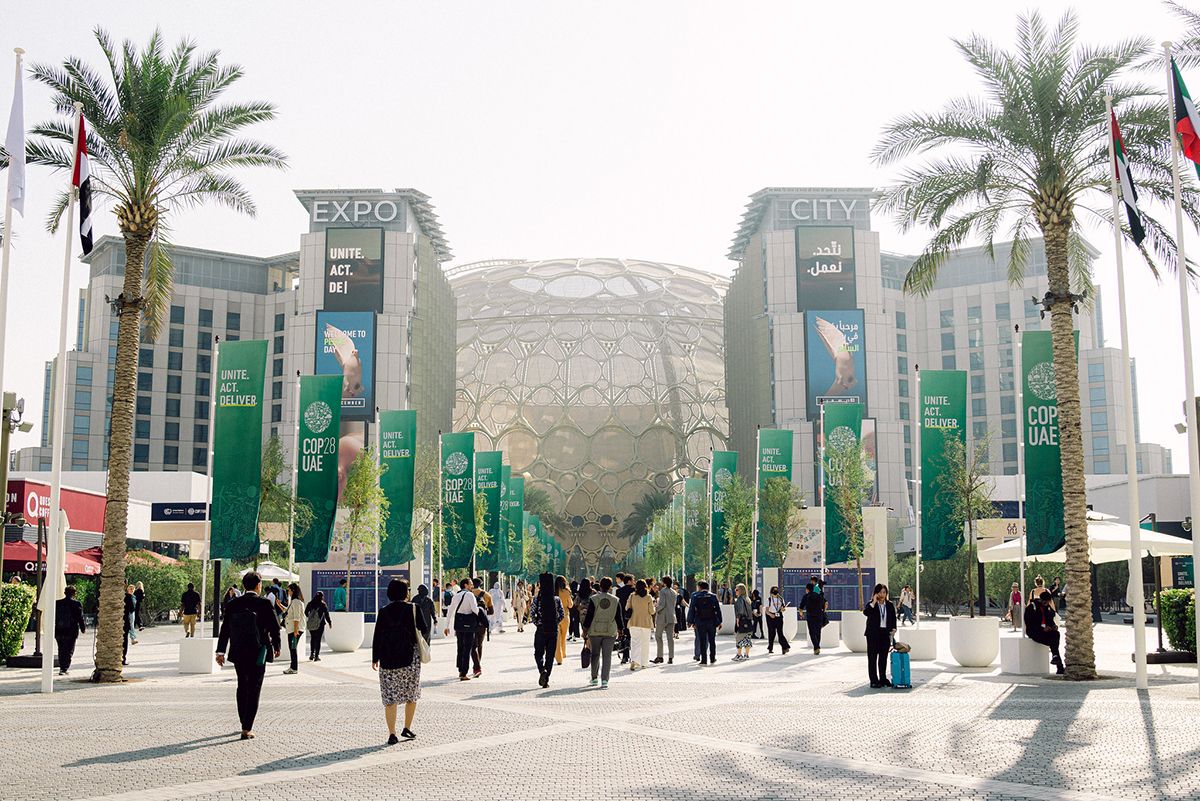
x: 1178, y: 611
x: 87, y: 592
x: 164, y: 585
x: 16, y: 602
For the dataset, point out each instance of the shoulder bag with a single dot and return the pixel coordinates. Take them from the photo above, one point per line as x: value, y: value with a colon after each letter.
x: 422, y: 646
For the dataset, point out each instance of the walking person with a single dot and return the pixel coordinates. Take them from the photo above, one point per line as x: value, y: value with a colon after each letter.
x: 463, y: 615
x: 428, y: 610
x: 564, y: 597
x: 294, y: 623
x: 341, y: 597
x: 499, y: 607
x: 316, y: 618
x: 396, y: 654
x: 756, y: 610
x: 139, y: 600
x: 664, y: 621
x: 907, y: 604
x: 189, y: 610
x: 881, y: 628
x: 1014, y: 611
x: 640, y: 614
x: 704, y: 615
x: 812, y: 609
x: 579, y: 605
x: 774, y: 613
x: 128, y: 621
x: 483, y: 628
x: 602, y: 624
x: 250, y: 635
x: 547, y: 617
x: 743, y: 623
x: 681, y: 604
x: 68, y: 625
x: 573, y: 613
x: 229, y: 595
x: 623, y: 591
x: 520, y: 604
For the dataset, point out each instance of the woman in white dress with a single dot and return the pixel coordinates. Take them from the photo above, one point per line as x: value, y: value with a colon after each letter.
x: 499, y: 607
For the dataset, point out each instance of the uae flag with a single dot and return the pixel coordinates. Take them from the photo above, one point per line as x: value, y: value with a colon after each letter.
x: 82, y: 181
x: 1125, y: 185
x: 1186, y: 121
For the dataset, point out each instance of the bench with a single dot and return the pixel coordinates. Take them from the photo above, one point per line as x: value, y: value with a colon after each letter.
x: 1021, y: 656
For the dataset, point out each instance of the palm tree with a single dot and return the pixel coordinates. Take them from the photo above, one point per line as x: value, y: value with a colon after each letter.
x: 1032, y: 152
x: 637, y: 522
x: 159, y: 143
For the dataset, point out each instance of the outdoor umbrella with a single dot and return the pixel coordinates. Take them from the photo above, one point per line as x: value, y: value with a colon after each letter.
x: 21, y: 557
x: 1107, y: 542
x: 270, y: 570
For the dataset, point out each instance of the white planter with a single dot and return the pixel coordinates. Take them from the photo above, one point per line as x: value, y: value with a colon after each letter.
x: 974, y: 642
x: 791, y: 624
x: 198, y: 655
x: 727, y: 620
x: 831, y: 635
x: 368, y: 635
x: 922, y: 641
x: 854, y: 635
x: 347, y: 632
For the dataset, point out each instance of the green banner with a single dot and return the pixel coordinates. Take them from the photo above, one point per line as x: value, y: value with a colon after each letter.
x: 724, y: 468
x: 942, y: 407
x: 504, y: 533
x: 317, y: 471
x: 695, y: 532
x: 458, y: 499
x: 1043, y: 458
x: 516, y: 526
x: 839, y: 422
x: 397, y: 453
x: 774, y: 461
x: 487, y: 483
x: 528, y: 534
x: 237, y: 449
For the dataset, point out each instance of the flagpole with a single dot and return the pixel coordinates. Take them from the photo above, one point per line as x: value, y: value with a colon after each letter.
x: 754, y: 529
x: 53, y: 569
x: 821, y: 481
x: 708, y: 568
x: 378, y: 471
x: 438, y: 534
x: 1135, y: 532
x: 295, y: 481
x: 1189, y: 379
x: 1019, y: 408
x: 208, y: 487
x: 917, y: 496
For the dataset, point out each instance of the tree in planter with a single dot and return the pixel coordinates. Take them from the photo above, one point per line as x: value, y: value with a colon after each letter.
x: 483, y: 540
x: 277, y: 503
x: 739, y: 523
x: 777, y: 503
x: 366, y: 503
x: 851, y: 481
x: 1032, y: 154
x: 964, y: 486
x: 159, y: 142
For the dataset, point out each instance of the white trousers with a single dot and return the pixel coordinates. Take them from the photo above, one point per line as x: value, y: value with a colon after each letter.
x: 639, y: 645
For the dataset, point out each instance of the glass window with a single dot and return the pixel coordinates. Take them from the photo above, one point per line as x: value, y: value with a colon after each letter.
x: 199, y: 457
x: 902, y: 385
x: 1100, y: 446
x: 172, y: 407
x: 279, y: 321
x: 1095, y: 372
x: 278, y: 345
x: 206, y: 318
x: 1033, y: 309
x: 1008, y: 428
x: 1003, y: 312
x: 979, y: 407
x: 976, y: 360
x: 1101, y: 466
x: 146, y: 357
x: 175, y: 360
x: 83, y: 374
x: 83, y: 424
x: 145, y: 382
x: 141, y: 452
x: 979, y: 429
x: 174, y: 384
x: 949, y: 362
x: 948, y: 341
x: 907, y: 435
x: 1096, y: 396
x: 175, y: 338
x: 141, y: 429
x: 233, y: 321
x: 1008, y: 404
x: 947, y: 318
x: 203, y: 363
x: 171, y: 431
x: 1005, y: 336
x: 201, y: 410
x: 902, y: 343
x: 975, y: 338
x: 233, y: 337
x: 79, y: 448
x: 143, y: 404
x: 908, y: 457
x: 204, y: 340
x: 277, y: 368
x: 200, y: 432
x: 904, y: 410
x: 902, y: 365
x: 277, y: 390
x: 977, y: 383
x: 974, y: 314
x: 1009, y: 450
x: 83, y: 399
x: 176, y: 315
x: 203, y: 386
x: 901, y: 320
x: 1006, y: 357
x: 170, y: 454
x: 1099, y: 421
x: 1006, y: 381
x: 277, y: 413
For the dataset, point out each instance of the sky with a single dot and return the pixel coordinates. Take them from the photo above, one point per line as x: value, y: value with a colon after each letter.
x: 552, y: 129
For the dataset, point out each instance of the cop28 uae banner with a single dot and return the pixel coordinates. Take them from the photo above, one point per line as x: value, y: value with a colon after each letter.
x: 237, y: 450
x: 695, y: 534
x: 317, y: 467
x: 504, y: 535
x: 458, y: 499
x: 1043, y: 457
x: 724, y: 468
x: 774, y: 461
x: 842, y: 427
x: 942, y: 406
x: 397, y: 452
x: 516, y: 527
x: 487, y: 483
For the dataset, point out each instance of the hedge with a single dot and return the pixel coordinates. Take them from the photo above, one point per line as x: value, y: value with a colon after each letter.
x: 16, y: 603
x: 1178, y: 611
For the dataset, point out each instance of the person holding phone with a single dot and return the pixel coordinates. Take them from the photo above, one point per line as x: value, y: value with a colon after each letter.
x: 774, y: 615
x: 881, y: 628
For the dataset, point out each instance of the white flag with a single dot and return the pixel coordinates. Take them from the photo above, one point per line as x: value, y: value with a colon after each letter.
x: 14, y: 143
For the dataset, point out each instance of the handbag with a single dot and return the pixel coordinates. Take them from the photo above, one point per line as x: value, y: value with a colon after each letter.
x: 585, y: 657
x: 901, y: 647
x: 422, y: 646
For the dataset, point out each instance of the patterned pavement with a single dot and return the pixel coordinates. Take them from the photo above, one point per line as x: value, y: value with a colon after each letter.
x: 773, y: 728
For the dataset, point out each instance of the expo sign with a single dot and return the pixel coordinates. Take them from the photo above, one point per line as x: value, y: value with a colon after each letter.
x: 353, y: 211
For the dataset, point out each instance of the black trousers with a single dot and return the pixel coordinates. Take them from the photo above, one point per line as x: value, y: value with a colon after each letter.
x: 775, y: 629
x: 249, y: 689
x: 814, y: 632
x: 314, y: 642
x: 466, y: 644
x: 481, y: 634
x: 294, y: 647
x: 573, y: 624
x: 1050, y: 639
x: 544, y: 642
x: 758, y: 627
x: 706, y: 637
x: 877, y: 657
x: 66, y: 650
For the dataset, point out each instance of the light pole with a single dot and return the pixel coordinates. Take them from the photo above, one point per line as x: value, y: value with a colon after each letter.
x: 13, y: 411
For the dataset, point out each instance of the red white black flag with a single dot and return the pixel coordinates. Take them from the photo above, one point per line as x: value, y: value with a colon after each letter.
x: 82, y: 181
x: 1125, y: 188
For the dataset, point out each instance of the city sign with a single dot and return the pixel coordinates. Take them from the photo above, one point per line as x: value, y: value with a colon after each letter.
x: 808, y: 209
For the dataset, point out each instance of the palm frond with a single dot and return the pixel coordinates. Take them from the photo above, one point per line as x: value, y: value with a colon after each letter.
x: 159, y: 284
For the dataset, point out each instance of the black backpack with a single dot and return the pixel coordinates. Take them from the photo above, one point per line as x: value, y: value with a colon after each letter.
x: 706, y: 608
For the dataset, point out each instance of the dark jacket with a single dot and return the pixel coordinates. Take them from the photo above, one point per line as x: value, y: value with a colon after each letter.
x: 813, y: 604
x: 428, y: 615
x: 318, y: 605
x: 1036, y: 620
x: 395, y: 637
x: 268, y: 627
x: 623, y: 592
x: 873, y: 629
x: 130, y: 608
x: 68, y: 618
x: 190, y: 601
x: 705, y: 608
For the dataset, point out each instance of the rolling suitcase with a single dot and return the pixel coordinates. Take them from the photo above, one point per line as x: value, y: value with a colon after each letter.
x: 901, y: 670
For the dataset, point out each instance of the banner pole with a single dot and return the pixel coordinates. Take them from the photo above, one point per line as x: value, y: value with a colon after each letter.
x: 6, y: 244
x: 379, y: 523
x: 708, y: 571
x: 1138, y: 601
x: 1019, y: 385
x: 214, y: 380
x: 437, y: 523
x: 754, y: 527
x: 821, y: 483
x: 54, y: 571
x: 917, y: 496
x: 295, y: 482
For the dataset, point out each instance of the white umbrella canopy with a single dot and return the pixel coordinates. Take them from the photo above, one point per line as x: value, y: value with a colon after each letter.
x: 269, y: 570
x: 1107, y: 542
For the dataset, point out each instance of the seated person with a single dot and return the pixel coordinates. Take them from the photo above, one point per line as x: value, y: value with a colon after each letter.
x: 1039, y: 626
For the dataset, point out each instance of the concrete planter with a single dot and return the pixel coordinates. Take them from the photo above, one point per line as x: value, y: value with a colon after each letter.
x: 198, y: 655
x: 974, y: 642
x: 727, y: 620
x: 347, y: 632
x: 368, y: 634
x: 791, y: 624
x: 855, y: 635
x: 922, y: 641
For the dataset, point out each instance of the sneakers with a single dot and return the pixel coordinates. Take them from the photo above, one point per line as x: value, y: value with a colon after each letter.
x: 593, y: 682
x: 656, y: 661
x: 604, y: 685
x: 392, y: 739
x: 543, y: 680
x: 290, y: 672
x: 407, y: 734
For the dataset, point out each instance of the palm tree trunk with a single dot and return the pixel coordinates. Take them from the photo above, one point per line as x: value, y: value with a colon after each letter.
x: 1079, y: 653
x: 110, y: 631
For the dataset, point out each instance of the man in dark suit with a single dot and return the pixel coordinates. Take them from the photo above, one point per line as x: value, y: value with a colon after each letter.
x: 623, y: 592
x: 68, y: 625
x: 1040, y: 627
x: 250, y: 631
x: 881, y: 627
x: 704, y: 615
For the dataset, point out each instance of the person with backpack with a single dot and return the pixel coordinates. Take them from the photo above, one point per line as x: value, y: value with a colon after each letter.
x: 250, y: 635
x: 602, y: 624
x: 316, y: 618
x: 463, y: 615
x: 428, y: 611
x: 704, y: 615
x: 293, y: 621
x: 547, y: 614
x: 68, y: 625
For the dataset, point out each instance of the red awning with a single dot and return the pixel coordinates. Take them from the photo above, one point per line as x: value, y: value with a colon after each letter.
x: 21, y: 557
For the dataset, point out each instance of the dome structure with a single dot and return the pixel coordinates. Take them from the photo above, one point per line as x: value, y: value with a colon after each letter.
x: 601, y: 379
